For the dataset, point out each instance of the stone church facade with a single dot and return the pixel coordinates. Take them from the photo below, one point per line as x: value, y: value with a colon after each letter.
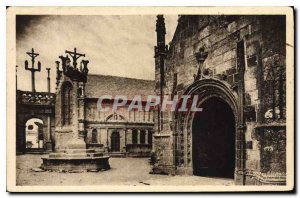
x: 236, y: 65
x: 120, y: 132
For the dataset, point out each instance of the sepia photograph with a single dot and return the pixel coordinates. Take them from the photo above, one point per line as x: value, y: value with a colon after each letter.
x: 157, y: 99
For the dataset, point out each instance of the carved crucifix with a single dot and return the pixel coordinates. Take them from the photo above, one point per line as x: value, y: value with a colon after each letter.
x: 32, y: 69
x: 200, y: 57
x: 75, y: 56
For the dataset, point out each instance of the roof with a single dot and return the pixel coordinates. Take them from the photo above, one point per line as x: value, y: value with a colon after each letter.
x: 99, y: 85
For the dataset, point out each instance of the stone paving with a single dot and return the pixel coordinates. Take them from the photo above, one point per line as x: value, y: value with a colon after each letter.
x: 124, y: 171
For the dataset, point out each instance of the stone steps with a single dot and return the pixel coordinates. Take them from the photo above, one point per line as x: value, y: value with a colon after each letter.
x: 75, y: 155
x: 117, y: 154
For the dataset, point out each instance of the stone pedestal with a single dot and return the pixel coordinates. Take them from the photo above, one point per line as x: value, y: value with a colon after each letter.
x: 76, y: 160
x: 77, y: 143
x: 49, y: 146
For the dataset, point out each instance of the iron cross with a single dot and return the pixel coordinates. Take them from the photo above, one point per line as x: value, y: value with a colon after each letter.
x: 32, y: 69
x: 75, y: 56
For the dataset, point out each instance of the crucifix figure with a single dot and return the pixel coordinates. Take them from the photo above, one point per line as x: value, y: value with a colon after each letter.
x: 200, y: 57
x: 32, y: 69
x: 75, y: 56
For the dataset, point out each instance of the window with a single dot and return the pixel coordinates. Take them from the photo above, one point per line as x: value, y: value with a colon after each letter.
x: 134, y: 136
x: 149, y: 137
x: 66, y: 103
x: 30, y: 127
x: 143, y: 137
x: 94, y: 136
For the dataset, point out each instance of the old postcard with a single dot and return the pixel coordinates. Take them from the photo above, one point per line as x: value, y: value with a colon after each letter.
x: 136, y: 99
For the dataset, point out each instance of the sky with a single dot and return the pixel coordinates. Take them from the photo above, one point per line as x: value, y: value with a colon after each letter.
x: 114, y: 45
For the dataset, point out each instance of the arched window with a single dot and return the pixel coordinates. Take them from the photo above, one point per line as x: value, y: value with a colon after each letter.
x: 134, y: 136
x: 142, y: 137
x: 66, y: 102
x: 94, y: 136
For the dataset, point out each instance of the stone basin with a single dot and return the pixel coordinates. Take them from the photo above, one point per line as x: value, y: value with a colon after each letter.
x: 79, y: 160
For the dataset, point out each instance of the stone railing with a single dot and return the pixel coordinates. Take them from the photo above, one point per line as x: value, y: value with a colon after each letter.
x: 35, y: 98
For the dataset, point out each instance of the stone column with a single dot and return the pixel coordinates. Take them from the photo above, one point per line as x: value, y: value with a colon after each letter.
x: 49, y: 140
x: 122, y: 140
x: 146, y: 136
x: 125, y: 133
x: 78, y: 140
x: 138, y: 136
x: 129, y: 136
x: 81, y: 111
x: 107, y: 139
x: 103, y: 137
x: 75, y: 110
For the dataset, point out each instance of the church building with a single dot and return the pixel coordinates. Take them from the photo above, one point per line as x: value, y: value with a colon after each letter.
x: 120, y: 132
x: 236, y: 67
x: 73, y: 107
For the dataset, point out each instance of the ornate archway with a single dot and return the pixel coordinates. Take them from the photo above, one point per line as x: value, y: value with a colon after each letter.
x: 38, y: 105
x: 205, y: 89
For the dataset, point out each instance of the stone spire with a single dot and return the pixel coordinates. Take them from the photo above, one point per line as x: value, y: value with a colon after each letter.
x: 160, y: 33
x: 160, y: 51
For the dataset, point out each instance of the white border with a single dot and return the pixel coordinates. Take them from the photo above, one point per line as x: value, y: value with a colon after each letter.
x: 92, y: 3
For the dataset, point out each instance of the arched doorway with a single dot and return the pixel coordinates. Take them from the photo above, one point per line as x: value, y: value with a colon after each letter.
x: 115, y: 141
x: 34, y: 134
x: 213, y: 139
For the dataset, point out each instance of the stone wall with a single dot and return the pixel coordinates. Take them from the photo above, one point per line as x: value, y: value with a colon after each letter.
x: 263, y: 47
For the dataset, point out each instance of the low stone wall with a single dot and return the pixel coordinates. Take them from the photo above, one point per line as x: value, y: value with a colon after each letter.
x: 138, y: 150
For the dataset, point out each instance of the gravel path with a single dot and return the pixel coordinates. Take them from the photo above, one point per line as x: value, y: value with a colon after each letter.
x: 124, y: 171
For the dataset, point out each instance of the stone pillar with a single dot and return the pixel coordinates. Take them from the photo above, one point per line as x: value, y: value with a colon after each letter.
x: 106, y: 140
x: 49, y: 139
x: 103, y: 137
x: 122, y: 140
x: 138, y: 136
x: 48, y: 128
x: 78, y: 139
x: 125, y: 133
x: 146, y: 136
x: 129, y: 136
x: 81, y: 110
x: 75, y: 110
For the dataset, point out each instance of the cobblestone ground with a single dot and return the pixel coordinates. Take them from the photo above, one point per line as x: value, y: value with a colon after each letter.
x: 124, y: 171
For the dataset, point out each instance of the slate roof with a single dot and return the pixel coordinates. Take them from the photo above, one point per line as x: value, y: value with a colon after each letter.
x: 99, y: 85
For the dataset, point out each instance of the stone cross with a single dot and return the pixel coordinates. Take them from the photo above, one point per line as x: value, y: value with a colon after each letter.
x: 75, y: 56
x: 32, y: 69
